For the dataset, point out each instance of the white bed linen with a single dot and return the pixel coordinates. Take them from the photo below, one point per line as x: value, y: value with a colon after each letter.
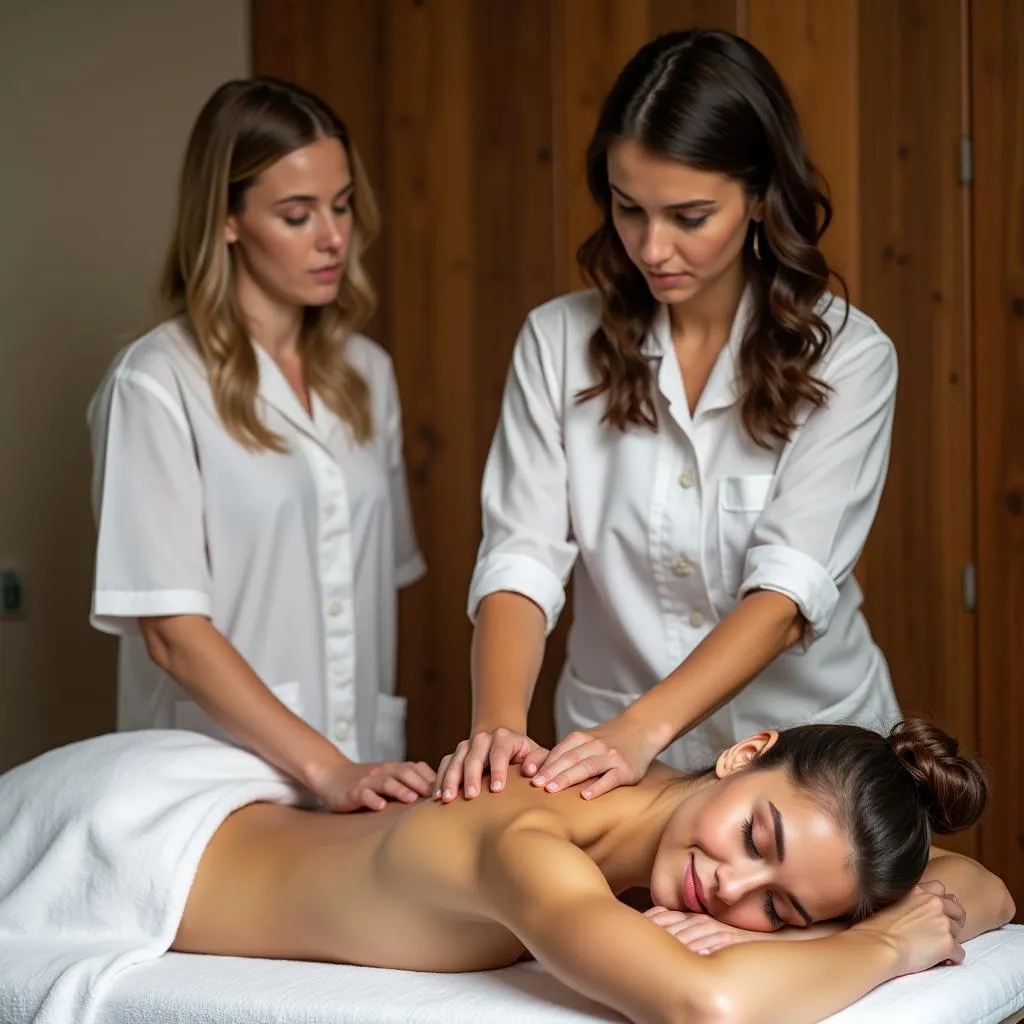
x: 183, y: 989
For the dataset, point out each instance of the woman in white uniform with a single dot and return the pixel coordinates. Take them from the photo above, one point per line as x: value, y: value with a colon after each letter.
x: 249, y: 486
x: 701, y: 440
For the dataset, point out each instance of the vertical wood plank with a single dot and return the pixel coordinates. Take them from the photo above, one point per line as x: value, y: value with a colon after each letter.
x: 514, y: 236
x: 814, y: 48
x: 676, y: 15
x: 336, y: 49
x: 431, y: 182
x: 997, y: 34
x: 592, y: 40
x: 914, y: 283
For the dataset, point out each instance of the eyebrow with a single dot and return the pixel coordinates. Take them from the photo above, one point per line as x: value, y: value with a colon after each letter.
x: 780, y: 849
x: 312, y: 199
x: 690, y: 204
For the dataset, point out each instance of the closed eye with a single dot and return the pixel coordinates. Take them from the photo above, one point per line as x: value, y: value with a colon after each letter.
x: 770, y: 912
x: 748, y: 839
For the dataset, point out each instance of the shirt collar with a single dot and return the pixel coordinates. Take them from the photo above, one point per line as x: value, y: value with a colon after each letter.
x: 275, y: 390
x: 723, y: 386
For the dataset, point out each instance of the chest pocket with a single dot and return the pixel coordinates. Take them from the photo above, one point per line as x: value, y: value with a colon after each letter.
x: 741, y: 500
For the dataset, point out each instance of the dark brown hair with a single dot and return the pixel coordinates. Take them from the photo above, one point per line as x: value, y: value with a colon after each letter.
x: 889, y: 794
x: 712, y: 101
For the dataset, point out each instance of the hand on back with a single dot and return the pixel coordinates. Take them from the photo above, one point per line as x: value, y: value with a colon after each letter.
x: 353, y: 786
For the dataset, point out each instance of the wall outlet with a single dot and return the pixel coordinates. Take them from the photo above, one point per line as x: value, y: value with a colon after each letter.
x: 12, y: 594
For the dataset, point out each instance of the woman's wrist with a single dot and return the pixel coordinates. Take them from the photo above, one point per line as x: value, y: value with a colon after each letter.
x: 654, y: 732
x: 316, y: 772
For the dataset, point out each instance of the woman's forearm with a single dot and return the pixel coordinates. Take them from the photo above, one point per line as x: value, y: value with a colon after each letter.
x: 206, y: 665
x: 779, y: 983
x: 985, y: 899
x: 508, y: 649
x: 751, y: 636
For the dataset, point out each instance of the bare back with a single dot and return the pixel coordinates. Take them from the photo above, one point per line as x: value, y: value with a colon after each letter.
x: 397, y: 888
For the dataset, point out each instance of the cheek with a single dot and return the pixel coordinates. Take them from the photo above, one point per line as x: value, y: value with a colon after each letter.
x: 278, y: 252
x: 711, y: 248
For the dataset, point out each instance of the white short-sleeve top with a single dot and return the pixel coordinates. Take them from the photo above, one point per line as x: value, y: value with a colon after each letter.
x: 295, y: 557
x: 665, y: 531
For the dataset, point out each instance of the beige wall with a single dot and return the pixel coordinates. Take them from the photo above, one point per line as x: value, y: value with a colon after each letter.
x: 96, y: 100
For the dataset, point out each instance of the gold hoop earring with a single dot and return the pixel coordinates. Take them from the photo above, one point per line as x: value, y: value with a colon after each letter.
x: 757, y: 247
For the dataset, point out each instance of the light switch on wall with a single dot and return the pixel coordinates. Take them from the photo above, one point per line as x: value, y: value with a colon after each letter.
x: 12, y: 594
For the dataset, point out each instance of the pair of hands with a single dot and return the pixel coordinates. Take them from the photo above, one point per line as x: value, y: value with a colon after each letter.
x: 923, y: 928
x: 613, y: 754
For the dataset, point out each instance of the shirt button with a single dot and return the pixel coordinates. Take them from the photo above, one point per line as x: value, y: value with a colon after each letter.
x: 687, y: 478
x: 683, y: 567
x: 330, y: 508
x: 334, y: 608
x: 340, y: 731
x: 696, y: 620
x: 337, y: 668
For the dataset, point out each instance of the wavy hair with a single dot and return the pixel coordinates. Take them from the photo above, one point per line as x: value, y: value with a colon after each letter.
x: 244, y: 128
x: 712, y: 101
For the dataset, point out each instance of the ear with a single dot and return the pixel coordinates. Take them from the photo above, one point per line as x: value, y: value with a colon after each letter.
x: 757, y: 210
x: 231, y: 230
x: 741, y: 755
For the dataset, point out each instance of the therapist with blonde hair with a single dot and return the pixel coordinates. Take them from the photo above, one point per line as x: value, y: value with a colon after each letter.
x: 249, y: 486
x: 701, y: 439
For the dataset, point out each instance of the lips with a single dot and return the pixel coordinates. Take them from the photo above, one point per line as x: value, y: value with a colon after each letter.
x: 694, y: 889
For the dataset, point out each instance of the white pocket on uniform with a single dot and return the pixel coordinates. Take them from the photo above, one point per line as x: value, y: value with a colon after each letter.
x: 389, y: 732
x: 741, y: 500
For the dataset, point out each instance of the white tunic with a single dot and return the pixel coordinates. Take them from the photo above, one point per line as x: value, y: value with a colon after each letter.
x: 665, y: 531
x: 295, y: 557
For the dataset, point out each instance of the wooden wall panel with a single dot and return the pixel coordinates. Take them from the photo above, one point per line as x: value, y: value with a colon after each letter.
x: 997, y: 34
x: 431, y: 258
x: 814, y: 48
x: 592, y: 40
x: 337, y: 50
x: 914, y: 283
x: 676, y: 15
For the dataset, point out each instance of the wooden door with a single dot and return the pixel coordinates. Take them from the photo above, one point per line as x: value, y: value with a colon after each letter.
x: 997, y: 110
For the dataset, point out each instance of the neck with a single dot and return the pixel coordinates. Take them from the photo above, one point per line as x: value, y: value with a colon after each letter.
x: 626, y: 847
x: 707, y: 318
x: 274, y: 325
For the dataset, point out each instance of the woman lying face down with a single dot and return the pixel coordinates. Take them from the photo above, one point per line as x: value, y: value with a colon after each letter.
x: 828, y: 823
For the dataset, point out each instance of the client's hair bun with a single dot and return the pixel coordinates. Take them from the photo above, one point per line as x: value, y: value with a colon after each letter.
x: 953, y: 788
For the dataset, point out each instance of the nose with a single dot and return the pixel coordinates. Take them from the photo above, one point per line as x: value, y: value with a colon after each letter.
x: 736, y: 881
x: 655, y: 247
x: 329, y: 238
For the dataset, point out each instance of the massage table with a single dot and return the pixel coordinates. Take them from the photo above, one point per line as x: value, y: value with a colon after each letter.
x: 186, y: 989
x: 101, y: 841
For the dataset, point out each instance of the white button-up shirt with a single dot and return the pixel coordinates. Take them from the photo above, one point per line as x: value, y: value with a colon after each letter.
x: 295, y: 557
x: 665, y: 531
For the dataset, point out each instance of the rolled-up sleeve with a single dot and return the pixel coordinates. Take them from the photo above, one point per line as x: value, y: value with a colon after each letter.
x: 148, y: 501
x: 828, y: 486
x: 409, y: 563
x: 526, y: 545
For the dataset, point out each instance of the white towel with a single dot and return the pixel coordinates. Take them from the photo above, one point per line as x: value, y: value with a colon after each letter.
x: 100, y: 844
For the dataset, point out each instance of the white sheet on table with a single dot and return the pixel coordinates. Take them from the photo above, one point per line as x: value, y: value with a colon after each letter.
x: 180, y: 989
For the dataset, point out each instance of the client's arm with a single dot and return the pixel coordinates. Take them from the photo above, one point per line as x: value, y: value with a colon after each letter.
x: 983, y: 895
x: 557, y: 902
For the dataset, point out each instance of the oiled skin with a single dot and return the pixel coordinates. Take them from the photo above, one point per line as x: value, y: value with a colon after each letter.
x: 401, y: 887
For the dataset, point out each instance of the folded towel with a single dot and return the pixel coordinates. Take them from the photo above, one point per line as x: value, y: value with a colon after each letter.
x: 101, y: 841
